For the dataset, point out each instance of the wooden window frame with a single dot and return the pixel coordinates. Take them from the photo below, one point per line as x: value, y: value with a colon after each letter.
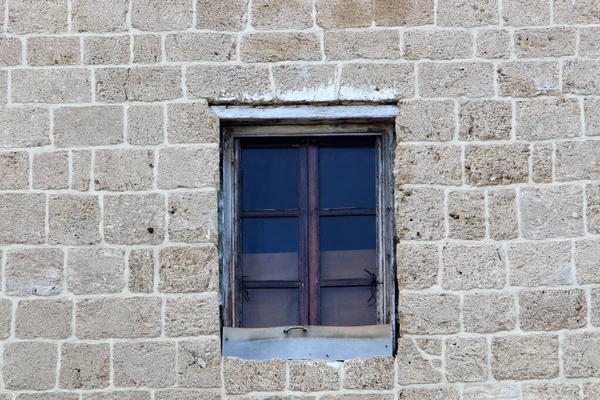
x: 383, y: 132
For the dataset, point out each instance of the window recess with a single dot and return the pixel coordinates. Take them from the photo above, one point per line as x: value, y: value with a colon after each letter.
x: 308, y: 241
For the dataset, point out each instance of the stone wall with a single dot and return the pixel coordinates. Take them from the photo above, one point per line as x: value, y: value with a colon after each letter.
x: 109, y: 174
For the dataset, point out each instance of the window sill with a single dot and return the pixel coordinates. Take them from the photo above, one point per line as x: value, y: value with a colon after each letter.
x: 310, y: 343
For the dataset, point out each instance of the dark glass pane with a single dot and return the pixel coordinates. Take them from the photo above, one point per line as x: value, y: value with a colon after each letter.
x: 270, y: 249
x: 270, y: 307
x: 348, y: 306
x: 347, y: 177
x: 270, y: 178
x: 348, y: 247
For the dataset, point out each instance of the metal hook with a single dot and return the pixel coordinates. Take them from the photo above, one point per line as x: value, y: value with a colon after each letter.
x: 374, y: 284
x: 286, y: 331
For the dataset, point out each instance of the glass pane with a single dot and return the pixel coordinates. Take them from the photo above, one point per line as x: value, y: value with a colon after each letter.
x: 270, y: 249
x: 348, y: 306
x: 270, y: 307
x: 348, y: 247
x: 347, y: 177
x: 270, y: 178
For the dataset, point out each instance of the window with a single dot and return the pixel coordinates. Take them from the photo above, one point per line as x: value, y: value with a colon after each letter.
x: 308, y: 239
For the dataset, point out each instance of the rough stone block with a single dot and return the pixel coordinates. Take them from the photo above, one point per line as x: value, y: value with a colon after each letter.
x: 145, y: 125
x: 10, y: 49
x: 545, y: 42
x: 587, y: 261
x: 425, y: 121
x: 377, y: 82
x: 428, y: 164
x: 273, y: 47
x: 23, y: 218
x: 375, y: 373
x: 51, y: 170
x: 467, y: 13
x: 502, y: 211
x: 187, y: 269
x: 552, y: 310
x: 283, y: 14
x: 467, y: 359
x: 314, y: 376
x: 84, y: 366
x: 497, y: 164
x: 548, y: 119
x: 88, y: 126
x: 116, y: 84
x: 5, y: 318
x: 581, y: 77
x: 492, y: 392
x: 470, y: 267
x: 540, y: 264
x: 149, y: 364
x: 420, y: 214
x: 438, y: 44
x: 305, y: 83
x: 24, y: 126
x: 188, y: 168
x: 3, y: 87
x: 147, y: 49
x: 404, y: 12
x: 551, y: 212
x: 96, y: 271
x: 74, y: 220
x: 592, y: 115
x: 119, y: 395
x: 200, y: 46
x: 419, y: 360
x: 595, y: 303
x: 192, y: 316
x: 134, y: 219
x: 156, y: 16
x: 34, y: 272
x: 493, y: 43
x: 45, y: 319
x: 29, y: 365
x: 525, y: 357
x: 53, y: 50
x: 577, y: 161
x: 541, y: 163
x: 81, y: 170
x: 581, y: 355
x: 192, y: 123
x: 106, y: 50
x: 193, y: 217
x: 224, y: 15
x: 245, y: 376
x: 124, y: 169
x: 485, y: 120
x: 37, y: 16
x: 373, y: 45
x: 184, y: 394
x: 550, y: 391
x: 580, y: 12
x: 60, y: 85
x: 344, y: 13
x: 14, y: 167
x: 141, y: 271
x: 199, y: 363
x: 418, y: 265
x: 87, y: 16
x: 466, y: 215
x: 589, y: 39
x: 433, y: 393
x: 229, y: 83
x: 525, y: 13
x: 429, y: 314
x: 116, y: 317
x: 529, y: 78
x: 46, y: 396
x: 457, y: 79
x: 593, y: 208
x: 489, y: 312
x: 591, y: 390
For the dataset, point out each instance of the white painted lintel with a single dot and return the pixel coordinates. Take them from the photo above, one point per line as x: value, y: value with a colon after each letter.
x: 304, y: 112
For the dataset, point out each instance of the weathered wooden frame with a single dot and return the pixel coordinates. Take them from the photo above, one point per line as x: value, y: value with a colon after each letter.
x: 233, y: 129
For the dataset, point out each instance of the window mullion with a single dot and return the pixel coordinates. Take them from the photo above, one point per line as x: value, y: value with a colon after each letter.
x: 303, y: 246
x: 313, y: 236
